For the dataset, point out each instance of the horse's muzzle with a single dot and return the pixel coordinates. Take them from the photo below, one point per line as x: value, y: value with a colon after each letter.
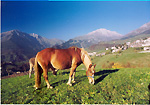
x: 91, y: 81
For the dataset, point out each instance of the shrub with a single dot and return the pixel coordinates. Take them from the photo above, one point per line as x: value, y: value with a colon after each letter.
x: 103, y: 66
x: 108, y: 52
x: 108, y: 65
x: 117, y: 65
x: 139, y: 48
x: 128, y: 65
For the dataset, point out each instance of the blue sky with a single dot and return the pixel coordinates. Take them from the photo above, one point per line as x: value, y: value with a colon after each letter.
x: 65, y: 20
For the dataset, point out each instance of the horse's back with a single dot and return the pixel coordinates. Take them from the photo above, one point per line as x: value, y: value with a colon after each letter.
x: 59, y: 53
x: 66, y: 54
x: 45, y: 55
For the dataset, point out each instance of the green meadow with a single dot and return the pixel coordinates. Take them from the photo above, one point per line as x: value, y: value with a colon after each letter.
x: 120, y: 78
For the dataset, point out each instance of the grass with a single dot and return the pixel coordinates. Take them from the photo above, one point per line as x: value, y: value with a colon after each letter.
x: 112, y: 86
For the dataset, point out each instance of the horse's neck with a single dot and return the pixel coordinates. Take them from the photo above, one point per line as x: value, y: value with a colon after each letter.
x: 87, y: 61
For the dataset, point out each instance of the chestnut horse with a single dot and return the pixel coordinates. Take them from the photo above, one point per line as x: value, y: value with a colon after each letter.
x: 31, y: 63
x: 62, y: 59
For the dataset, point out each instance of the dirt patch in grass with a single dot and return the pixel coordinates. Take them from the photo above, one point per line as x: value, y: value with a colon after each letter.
x: 15, y: 75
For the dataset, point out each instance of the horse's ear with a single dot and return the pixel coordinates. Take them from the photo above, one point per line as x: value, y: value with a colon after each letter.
x: 90, y: 65
x: 94, y: 65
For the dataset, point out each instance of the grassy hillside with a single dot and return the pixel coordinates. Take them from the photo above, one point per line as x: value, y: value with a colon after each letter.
x: 130, y: 58
x: 119, y: 78
x: 112, y: 86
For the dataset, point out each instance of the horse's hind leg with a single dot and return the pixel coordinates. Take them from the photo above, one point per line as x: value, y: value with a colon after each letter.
x: 31, y: 67
x: 73, y: 80
x: 45, y: 75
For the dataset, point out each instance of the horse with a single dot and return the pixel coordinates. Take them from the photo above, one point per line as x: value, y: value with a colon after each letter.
x: 31, y: 63
x: 60, y: 59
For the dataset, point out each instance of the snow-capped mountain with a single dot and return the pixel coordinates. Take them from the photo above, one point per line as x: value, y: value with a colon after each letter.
x: 101, y: 35
x: 92, y: 38
x: 104, y: 32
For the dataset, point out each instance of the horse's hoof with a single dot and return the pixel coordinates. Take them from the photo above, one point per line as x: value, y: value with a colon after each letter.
x: 49, y: 87
x: 36, y: 88
x: 73, y: 81
x: 69, y: 84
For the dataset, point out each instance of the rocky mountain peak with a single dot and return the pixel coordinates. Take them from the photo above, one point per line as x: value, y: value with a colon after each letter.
x: 34, y: 35
x: 104, y: 32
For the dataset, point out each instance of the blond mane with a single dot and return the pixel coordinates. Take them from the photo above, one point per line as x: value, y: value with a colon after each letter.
x: 85, y: 58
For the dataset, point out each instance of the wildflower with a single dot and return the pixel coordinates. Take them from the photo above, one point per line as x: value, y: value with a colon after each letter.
x: 117, y: 65
x: 148, y: 73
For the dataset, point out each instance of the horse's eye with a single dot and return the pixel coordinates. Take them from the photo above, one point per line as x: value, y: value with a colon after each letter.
x: 91, y: 71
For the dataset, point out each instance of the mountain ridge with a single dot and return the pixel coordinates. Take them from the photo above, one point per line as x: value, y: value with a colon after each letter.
x: 144, y: 29
x: 47, y: 42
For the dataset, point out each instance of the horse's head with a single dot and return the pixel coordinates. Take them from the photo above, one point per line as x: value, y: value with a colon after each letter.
x: 90, y: 73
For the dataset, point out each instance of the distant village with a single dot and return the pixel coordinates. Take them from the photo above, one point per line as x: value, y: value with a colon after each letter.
x: 144, y: 43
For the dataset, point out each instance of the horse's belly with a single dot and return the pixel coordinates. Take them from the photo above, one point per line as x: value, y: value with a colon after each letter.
x: 61, y: 65
x: 61, y: 60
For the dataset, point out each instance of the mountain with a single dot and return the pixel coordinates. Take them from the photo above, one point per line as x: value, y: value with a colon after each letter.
x: 18, y: 47
x: 46, y: 42
x: 140, y: 33
x: 28, y: 44
x: 91, y: 38
x: 144, y: 29
x: 17, y: 42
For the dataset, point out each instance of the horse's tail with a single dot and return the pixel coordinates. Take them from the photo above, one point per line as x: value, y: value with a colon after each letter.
x: 38, y: 72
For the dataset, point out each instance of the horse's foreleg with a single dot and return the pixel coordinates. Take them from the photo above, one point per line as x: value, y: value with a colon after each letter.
x: 70, y: 75
x: 73, y: 80
x: 45, y: 75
